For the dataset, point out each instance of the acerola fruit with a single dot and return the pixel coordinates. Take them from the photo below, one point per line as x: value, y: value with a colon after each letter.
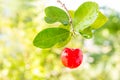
x: 71, y: 58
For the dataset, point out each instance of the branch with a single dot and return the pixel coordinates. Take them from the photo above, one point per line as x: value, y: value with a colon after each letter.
x: 71, y: 21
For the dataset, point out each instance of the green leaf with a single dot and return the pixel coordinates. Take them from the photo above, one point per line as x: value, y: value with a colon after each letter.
x: 71, y: 12
x: 68, y: 27
x: 85, y: 15
x: 63, y: 43
x: 101, y: 20
x: 50, y: 36
x: 87, y: 33
x: 55, y: 14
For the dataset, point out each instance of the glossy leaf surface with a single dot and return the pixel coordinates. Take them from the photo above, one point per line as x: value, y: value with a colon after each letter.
x: 50, y: 36
x: 55, y: 14
x: 85, y: 15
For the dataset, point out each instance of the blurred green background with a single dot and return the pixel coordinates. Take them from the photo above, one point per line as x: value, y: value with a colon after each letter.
x: 21, y: 20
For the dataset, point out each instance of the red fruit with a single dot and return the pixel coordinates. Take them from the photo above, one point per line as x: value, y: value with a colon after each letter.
x: 71, y: 58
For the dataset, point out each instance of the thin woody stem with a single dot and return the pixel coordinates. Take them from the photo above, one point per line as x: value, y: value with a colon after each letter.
x: 71, y: 21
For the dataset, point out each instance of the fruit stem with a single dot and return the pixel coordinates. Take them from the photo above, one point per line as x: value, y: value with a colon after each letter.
x: 71, y: 21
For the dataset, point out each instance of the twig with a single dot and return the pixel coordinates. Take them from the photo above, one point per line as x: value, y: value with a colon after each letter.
x: 71, y: 21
